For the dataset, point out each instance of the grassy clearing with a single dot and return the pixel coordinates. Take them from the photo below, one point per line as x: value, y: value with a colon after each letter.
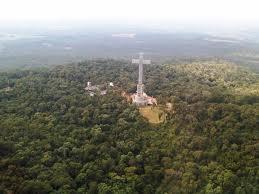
x: 153, y: 114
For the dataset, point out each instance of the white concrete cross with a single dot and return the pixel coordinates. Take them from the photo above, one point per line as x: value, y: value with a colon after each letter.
x: 141, y: 61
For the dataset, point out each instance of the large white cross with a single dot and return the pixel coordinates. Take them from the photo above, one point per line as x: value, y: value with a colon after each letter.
x: 140, y: 61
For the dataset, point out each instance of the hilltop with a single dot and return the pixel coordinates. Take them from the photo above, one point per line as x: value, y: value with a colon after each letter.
x: 55, y: 138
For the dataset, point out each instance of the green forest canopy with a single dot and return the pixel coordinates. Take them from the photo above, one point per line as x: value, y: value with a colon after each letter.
x: 56, y: 139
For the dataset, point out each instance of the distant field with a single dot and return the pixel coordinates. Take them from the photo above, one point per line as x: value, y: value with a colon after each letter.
x: 53, y: 49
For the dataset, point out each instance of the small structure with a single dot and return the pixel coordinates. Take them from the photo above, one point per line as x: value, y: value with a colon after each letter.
x: 89, y: 87
x: 91, y: 94
x: 103, y: 92
x: 151, y: 100
x: 148, y: 100
x: 93, y: 90
x: 169, y: 106
x: 140, y: 98
x: 111, y: 84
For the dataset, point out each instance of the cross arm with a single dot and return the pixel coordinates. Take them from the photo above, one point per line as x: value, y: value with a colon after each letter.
x: 146, y: 62
x: 135, y: 60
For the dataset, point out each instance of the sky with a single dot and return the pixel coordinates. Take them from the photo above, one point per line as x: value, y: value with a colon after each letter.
x: 224, y: 12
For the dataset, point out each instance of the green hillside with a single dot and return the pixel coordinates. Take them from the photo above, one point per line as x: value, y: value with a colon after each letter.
x: 54, y: 138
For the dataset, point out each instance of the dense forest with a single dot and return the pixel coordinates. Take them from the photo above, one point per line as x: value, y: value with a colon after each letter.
x: 54, y: 138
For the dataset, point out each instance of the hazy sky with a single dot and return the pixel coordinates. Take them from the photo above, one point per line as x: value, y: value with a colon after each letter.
x: 226, y: 12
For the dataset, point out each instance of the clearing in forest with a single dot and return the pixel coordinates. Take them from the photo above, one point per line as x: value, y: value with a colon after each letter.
x: 153, y: 114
